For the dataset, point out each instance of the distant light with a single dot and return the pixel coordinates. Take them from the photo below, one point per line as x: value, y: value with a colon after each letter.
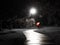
x: 38, y: 24
x: 33, y: 11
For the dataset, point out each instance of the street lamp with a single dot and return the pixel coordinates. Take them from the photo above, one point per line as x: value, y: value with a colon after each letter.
x: 32, y: 11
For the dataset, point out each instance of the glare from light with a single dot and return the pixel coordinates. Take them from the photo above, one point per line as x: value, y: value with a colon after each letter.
x: 33, y: 37
x: 33, y: 11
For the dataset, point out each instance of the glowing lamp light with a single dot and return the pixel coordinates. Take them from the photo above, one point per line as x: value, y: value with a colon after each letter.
x: 33, y: 11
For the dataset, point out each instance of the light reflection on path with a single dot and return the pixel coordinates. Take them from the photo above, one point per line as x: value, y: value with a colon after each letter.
x: 34, y: 38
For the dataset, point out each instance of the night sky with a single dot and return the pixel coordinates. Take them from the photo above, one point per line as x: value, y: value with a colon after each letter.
x: 19, y: 7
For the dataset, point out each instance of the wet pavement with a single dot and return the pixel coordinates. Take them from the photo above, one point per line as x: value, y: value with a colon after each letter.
x: 35, y: 38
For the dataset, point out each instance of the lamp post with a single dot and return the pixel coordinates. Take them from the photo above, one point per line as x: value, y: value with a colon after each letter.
x: 32, y: 13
